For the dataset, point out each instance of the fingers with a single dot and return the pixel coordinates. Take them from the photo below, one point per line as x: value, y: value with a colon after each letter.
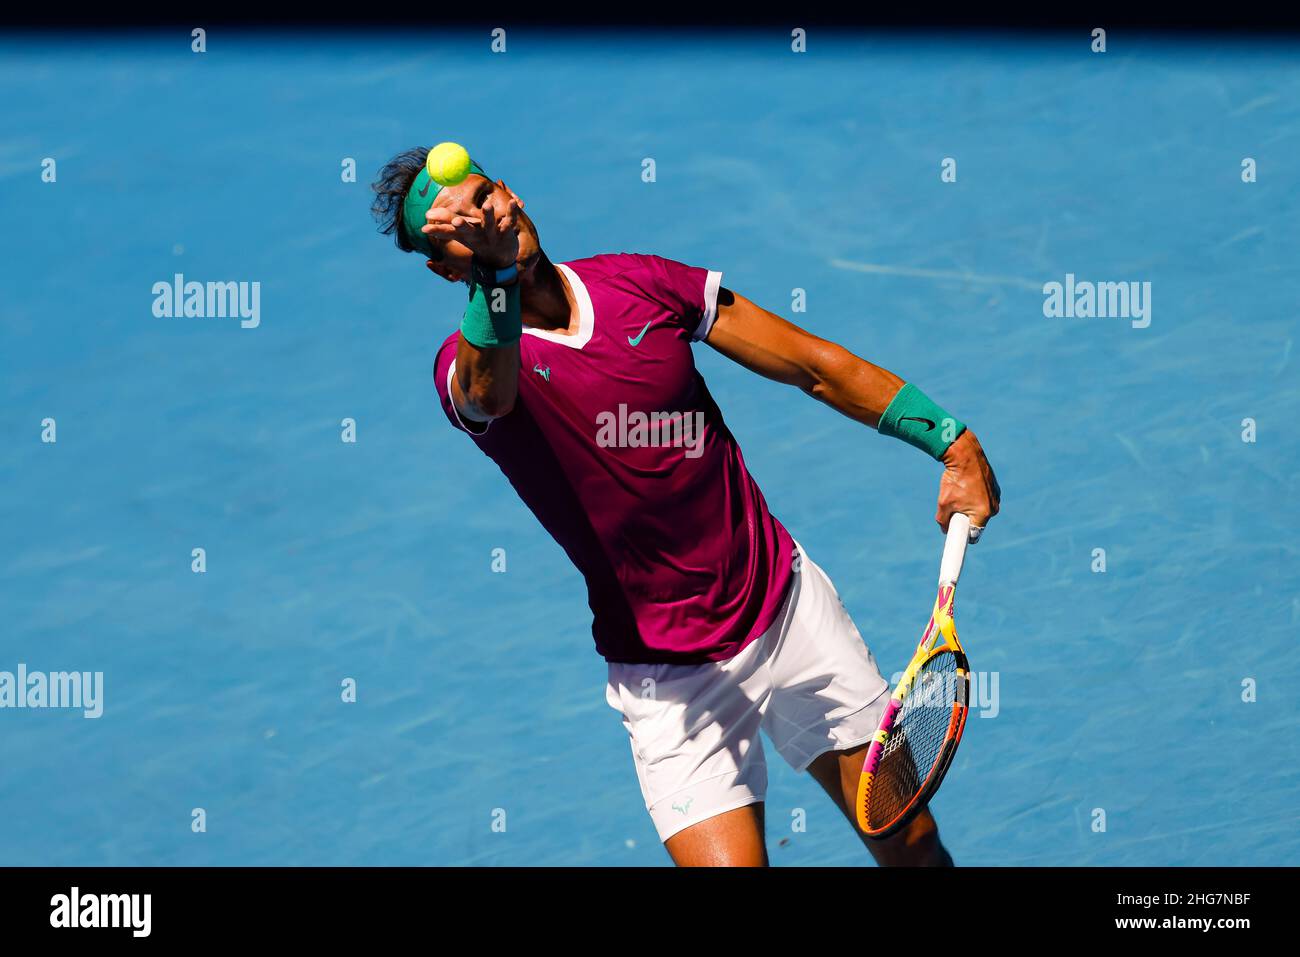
x: 513, y: 196
x: 487, y: 219
x: 444, y: 222
x: 508, y: 220
x: 966, y: 493
x: 447, y: 214
x: 944, y: 516
x: 976, y: 526
x: 459, y: 228
x: 978, y: 517
x: 968, y: 485
x: 442, y: 217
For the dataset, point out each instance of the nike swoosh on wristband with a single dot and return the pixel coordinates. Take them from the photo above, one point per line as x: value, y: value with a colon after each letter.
x: 929, y: 426
x: 640, y: 336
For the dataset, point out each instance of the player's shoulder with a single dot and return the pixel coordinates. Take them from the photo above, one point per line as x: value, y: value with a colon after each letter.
x: 608, y: 265
x: 448, y: 346
x: 634, y: 269
x: 444, y: 357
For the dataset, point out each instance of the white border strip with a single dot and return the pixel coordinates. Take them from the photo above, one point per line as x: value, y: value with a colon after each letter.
x: 586, y: 316
x: 451, y: 397
x: 712, y: 283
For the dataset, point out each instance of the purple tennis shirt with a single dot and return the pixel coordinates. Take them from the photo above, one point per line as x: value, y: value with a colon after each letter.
x: 618, y: 448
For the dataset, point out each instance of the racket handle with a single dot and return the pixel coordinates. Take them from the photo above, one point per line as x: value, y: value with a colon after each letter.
x: 954, y: 549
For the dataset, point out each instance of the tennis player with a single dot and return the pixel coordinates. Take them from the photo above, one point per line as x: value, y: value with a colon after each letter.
x: 578, y: 381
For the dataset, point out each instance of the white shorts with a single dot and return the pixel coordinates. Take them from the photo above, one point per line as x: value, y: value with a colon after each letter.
x: 808, y: 681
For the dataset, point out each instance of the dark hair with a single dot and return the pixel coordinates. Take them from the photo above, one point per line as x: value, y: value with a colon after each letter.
x: 391, y: 187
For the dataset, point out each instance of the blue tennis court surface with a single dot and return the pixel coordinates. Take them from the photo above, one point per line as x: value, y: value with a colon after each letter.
x: 1117, y: 693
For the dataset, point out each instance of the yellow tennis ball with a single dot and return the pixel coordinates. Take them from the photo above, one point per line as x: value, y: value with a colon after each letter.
x: 448, y: 164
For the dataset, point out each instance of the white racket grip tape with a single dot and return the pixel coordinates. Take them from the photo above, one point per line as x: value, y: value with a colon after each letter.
x: 954, y: 549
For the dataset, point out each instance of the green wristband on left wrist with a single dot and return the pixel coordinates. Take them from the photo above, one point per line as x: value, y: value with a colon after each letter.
x: 483, y: 274
x: 492, y: 317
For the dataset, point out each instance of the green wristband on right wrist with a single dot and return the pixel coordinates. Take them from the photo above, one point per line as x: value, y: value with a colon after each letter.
x: 913, y: 417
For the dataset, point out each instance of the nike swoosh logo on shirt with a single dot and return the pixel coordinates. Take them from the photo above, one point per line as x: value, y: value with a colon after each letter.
x: 640, y: 336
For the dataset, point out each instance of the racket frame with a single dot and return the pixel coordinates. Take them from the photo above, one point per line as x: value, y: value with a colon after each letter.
x: 940, y: 625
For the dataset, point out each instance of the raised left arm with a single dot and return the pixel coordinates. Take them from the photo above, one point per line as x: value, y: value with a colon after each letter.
x: 777, y: 349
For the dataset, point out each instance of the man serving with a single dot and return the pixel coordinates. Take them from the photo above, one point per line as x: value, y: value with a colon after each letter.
x: 712, y: 619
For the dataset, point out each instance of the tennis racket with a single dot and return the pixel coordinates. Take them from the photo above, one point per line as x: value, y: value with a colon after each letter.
x: 923, y: 722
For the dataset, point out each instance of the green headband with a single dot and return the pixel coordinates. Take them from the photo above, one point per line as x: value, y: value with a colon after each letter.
x: 419, y: 198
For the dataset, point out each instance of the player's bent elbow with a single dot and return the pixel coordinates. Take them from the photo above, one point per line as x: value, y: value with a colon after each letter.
x: 493, y: 403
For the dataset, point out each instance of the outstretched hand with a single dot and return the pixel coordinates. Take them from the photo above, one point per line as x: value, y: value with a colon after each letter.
x: 492, y: 235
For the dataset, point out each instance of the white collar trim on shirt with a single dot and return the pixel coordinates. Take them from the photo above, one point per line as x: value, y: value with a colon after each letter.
x: 586, y: 316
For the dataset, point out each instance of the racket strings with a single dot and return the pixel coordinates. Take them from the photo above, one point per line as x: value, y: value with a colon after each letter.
x: 916, y: 742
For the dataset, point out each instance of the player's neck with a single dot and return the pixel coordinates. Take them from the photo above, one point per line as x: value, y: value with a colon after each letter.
x: 545, y: 299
